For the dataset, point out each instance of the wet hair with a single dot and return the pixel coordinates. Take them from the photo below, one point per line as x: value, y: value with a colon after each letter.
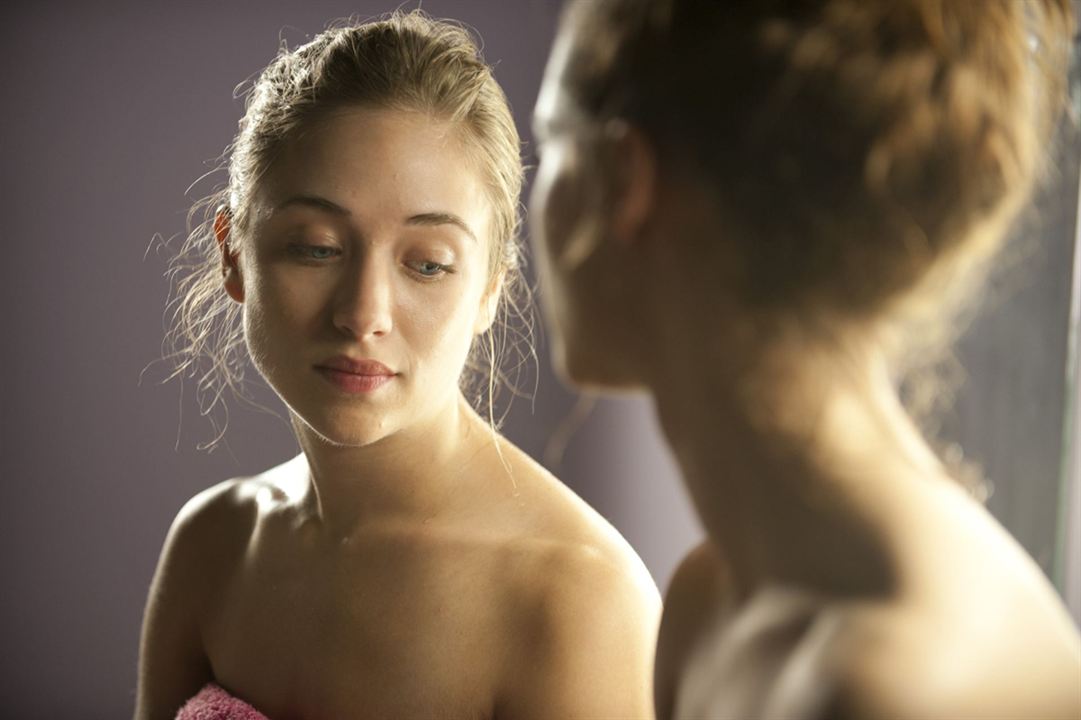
x: 862, y: 151
x: 406, y: 61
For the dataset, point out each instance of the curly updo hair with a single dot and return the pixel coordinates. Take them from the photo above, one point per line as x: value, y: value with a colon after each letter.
x: 406, y: 61
x: 861, y: 149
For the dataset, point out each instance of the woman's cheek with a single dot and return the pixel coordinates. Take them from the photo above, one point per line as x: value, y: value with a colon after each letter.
x: 431, y: 312
x: 443, y: 317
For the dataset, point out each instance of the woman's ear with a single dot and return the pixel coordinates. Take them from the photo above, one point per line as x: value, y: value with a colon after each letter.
x: 230, y: 259
x: 632, y: 163
x: 489, y: 305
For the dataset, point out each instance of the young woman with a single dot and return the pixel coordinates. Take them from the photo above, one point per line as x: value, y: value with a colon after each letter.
x: 753, y: 211
x: 410, y: 562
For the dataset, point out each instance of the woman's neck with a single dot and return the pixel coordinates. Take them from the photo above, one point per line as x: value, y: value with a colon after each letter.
x: 802, y: 467
x: 411, y: 475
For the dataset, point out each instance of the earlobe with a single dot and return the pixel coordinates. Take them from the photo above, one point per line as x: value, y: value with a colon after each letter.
x: 230, y: 260
x: 635, y: 179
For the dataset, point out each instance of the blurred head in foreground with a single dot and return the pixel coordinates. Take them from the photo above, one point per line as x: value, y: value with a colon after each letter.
x: 838, y: 171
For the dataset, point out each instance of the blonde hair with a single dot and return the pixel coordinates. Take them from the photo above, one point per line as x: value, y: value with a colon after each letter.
x: 405, y: 61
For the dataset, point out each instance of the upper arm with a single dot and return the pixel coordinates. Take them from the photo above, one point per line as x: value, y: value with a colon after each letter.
x: 172, y: 663
x: 694, y: 597
x: 588, y: 649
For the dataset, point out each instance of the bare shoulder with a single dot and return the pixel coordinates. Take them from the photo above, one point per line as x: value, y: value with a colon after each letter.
x: 695, y: 599
x: 208, y: 530
x: 562, y: 528
x: 216, y: 512
x: 198, y: 544
x: 582, y: 635
x: 221, y: 518
x: 569, y: 553
x: 584, y: 611
x: 205, y: 540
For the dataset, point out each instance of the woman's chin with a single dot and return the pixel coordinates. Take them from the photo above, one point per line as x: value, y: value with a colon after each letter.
x: 346, y: 429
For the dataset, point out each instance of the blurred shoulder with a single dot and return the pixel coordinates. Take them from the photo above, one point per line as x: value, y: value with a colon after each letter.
x: 977, y: 630
x: 900, y: 663
x: 696, y: 599
x: 700, y: 584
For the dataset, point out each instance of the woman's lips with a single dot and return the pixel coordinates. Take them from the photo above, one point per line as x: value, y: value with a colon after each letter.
x: 355, y: 376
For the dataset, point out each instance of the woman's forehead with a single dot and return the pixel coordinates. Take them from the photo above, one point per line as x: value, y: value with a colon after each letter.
x: 378, y: 161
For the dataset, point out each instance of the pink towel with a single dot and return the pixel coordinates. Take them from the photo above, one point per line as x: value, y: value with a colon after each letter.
x: 213, y: 703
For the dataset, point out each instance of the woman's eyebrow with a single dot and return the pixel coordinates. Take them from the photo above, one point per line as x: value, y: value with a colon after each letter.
x: 429, y: 218
x: 313, y: 201
x: 440, y: 218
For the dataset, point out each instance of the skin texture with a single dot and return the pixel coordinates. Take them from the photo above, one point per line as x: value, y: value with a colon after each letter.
x: 844, y: 575
x: 409, y: 562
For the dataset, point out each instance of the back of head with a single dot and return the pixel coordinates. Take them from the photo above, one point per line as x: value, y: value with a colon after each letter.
x: 859, y: 150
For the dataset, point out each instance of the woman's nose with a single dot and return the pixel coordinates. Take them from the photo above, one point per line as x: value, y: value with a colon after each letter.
x: 364, y: 302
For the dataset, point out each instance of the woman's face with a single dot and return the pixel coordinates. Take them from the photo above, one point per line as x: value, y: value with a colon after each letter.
x: 365, y: 272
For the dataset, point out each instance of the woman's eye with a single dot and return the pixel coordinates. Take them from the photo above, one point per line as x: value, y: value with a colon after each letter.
x: 428, y: 268
x: 313, y: 252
